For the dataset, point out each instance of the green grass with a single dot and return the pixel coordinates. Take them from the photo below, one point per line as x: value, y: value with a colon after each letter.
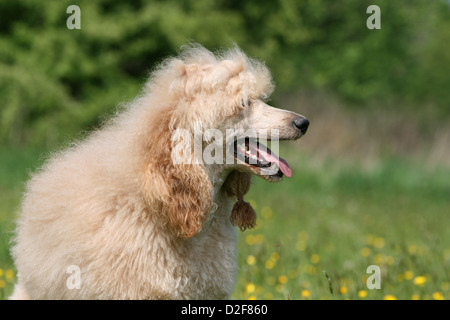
x: 318, y: 231
x: 15, y: 166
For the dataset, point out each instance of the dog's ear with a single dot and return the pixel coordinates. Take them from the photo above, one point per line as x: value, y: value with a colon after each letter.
x: 184, y: 198
x: 180, y: 194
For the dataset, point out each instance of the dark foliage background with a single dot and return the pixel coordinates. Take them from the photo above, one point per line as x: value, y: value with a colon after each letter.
x: 55, y: 82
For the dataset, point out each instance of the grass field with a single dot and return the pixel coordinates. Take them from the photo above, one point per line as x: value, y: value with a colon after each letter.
x: 318, y: 231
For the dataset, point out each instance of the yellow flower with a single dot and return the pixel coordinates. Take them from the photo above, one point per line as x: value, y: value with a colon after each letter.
x: 309, y: 269
x: 2, y: 283
x: 259, y: 238
x: 415, y: 297
x: 305, y: 284
x: 279, y: 288
x: 250, y: 239
x: 420, y: 280
x: 305, y: 294
x: 283, y: 279
x: 269, y: 264
x: 266, y: 212
x: 252, y: 298
x: 379, y: 259
x: 362, y: 293
x: 343, y: 290
x: 389, y: 260
x: 365, y: 252
x: 408, y: 275
x: 438, y: 296
x: 302, y: 241
x: 301, y: 245
x: 412, y: 249
x: 251, y: 260
x: 268, y: 296
x: 292, y: 274
x: 364, y: 279
x: 379, y: 243
x: 389, y: 297
x: 9, y: 274
x: 371, y: 239
x: 315, y: 258
x: 275, y: 256
x: 302, y: 235
x: 249, y: 287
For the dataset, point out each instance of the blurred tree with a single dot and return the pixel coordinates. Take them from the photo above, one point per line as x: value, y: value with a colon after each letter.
x: 55, y: 81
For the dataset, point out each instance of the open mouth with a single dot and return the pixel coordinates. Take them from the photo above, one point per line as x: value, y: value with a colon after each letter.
x: 260, y: 159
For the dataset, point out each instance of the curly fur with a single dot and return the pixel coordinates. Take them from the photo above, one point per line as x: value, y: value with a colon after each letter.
x: 137, y: 225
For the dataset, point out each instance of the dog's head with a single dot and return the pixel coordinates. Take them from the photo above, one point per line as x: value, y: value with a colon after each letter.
x: 259, y: 124
x: 215, y: 125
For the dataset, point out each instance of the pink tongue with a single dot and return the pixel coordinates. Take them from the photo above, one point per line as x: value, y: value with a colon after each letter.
x: 282, y: 164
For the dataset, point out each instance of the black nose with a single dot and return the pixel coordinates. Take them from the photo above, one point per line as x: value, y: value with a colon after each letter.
x: 302, y: 124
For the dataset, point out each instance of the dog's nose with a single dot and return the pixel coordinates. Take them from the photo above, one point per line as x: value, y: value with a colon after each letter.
x: 302, y: 124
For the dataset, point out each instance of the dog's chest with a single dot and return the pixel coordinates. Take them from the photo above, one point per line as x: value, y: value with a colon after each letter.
x: 207, y: 269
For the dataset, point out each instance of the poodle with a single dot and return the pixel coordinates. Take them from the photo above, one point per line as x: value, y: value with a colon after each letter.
x: 146, y: 207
